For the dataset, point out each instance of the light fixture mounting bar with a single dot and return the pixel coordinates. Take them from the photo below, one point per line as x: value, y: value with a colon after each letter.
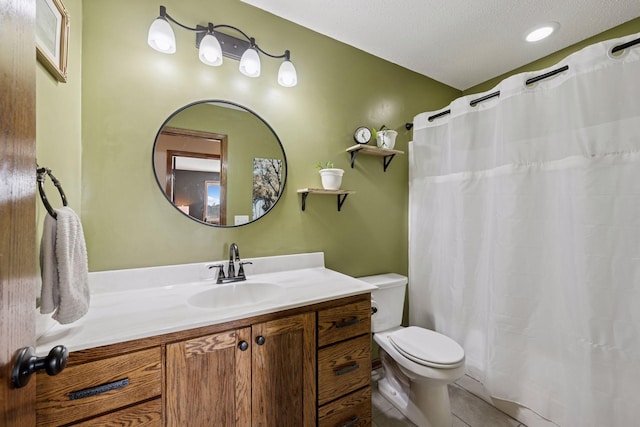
x: 232, y: 47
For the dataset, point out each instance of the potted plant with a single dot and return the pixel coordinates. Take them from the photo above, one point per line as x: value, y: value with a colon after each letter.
x: 331, y: 177
x: 385, y: 138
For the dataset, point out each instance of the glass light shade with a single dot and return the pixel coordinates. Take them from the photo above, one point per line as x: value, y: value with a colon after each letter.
x: 161, y: 36
x: 287, y: 75
x: 250, y: 63
x: 210, y: 52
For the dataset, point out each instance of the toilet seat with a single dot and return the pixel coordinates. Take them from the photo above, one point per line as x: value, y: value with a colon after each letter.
x: 427, y: 348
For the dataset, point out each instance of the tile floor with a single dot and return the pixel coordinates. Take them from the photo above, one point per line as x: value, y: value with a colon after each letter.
x: 468, y: 410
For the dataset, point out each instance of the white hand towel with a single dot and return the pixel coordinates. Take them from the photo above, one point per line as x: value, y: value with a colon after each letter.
x: 48, y: 267
x: 69, y: 294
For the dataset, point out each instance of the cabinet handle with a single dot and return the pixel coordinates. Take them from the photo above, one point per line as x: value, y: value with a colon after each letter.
x: 99, y: 389
x: 260, y: 340
x: 243, y: 345
x: 351, y: 322
x: 348, y: 368
x: 352, y: 422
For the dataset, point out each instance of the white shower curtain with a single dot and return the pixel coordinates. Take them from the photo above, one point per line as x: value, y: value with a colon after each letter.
x: 525, y: 237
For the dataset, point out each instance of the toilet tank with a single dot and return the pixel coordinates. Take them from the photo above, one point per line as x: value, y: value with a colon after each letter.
x: 388, y: 299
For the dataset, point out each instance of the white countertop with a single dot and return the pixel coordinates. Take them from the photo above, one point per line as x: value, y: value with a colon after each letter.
x: 138, y: 303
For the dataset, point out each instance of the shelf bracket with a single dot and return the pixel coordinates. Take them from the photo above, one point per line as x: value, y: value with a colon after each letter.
x: 387, y: 160
x: 341, y: 200
x: 387, y: 155
x: 353, y: 158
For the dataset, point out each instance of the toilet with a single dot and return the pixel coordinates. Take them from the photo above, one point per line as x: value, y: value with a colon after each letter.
x: 417, y: 363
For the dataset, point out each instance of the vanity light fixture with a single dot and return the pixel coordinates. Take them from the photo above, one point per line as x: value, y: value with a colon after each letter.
x: 213, y: 45
x: 541, y: 32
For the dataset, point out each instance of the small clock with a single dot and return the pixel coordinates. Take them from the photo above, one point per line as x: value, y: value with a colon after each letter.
x: 362, y: 135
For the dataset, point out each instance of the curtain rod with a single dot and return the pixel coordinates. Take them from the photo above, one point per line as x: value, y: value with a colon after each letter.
x: 532, y: 80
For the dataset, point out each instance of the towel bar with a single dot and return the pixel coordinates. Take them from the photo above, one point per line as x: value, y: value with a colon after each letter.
x: 41, y: 176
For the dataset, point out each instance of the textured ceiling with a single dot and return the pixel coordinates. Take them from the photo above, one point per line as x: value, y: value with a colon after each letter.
x: 458, y: 42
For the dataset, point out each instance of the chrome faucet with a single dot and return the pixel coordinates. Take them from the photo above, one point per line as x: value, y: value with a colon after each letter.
x: 234, y: 255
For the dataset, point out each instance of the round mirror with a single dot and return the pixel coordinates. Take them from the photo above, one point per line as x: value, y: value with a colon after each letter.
x: 219, y: 163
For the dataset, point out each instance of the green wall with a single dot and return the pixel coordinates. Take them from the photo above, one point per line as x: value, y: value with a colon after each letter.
x: 97, y: 131
x: 128, y: 90
x: 58, y: 122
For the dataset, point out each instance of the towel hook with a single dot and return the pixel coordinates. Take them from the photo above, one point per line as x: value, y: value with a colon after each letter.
x: 42, y: 174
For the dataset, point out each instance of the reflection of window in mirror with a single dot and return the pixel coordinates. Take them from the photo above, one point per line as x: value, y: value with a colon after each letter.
x: 212, y: 202
x: 195, y: 166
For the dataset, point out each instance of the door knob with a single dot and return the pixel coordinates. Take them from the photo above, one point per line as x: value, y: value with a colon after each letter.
x: 243, y: 346
x: 260, y: 340
x: 27, y: 363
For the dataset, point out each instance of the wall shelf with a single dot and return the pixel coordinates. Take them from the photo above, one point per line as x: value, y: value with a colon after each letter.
x: 341, y: 194
x: 369, y: 150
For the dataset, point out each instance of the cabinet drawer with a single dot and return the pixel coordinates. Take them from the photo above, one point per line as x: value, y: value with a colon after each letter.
x: 353, y: 410
x: 89, y: 389
x: 343, y: 368
x: 344, y: 322
x: 148, y: 414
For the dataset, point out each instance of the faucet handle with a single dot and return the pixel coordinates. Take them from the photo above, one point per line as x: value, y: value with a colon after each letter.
x: 220, y: 268
x: 241, y: 269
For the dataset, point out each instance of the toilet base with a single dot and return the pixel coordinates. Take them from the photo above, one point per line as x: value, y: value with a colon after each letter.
x: 425, y: 405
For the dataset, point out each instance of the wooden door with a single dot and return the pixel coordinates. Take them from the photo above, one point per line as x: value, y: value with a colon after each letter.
x: 208, y: 380
x: 17, y: 203
x: 284, y: 372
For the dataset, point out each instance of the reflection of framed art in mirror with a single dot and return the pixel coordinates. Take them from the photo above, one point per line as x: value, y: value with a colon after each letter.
x: 52, y: 37
x: 267, y: 185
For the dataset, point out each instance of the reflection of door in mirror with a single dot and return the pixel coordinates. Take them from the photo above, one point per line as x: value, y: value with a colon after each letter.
x: 195, y: 173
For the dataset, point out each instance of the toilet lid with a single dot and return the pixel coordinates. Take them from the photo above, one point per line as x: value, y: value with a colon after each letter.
x: 427, y: 347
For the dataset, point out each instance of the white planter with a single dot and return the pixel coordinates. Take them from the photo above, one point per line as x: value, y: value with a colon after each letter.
x: 331, y: 178
x: 386, y: 139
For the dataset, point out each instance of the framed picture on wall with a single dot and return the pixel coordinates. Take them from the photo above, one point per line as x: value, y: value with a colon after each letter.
x: 52, y: 37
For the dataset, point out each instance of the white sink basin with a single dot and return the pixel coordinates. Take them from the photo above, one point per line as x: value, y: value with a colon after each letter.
x: 236, y: 295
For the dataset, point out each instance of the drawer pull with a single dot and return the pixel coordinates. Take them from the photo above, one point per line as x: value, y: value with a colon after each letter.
x: 351, y: 322
x: 99, y: 389
x: 352, y: 422
x: 349, y: 368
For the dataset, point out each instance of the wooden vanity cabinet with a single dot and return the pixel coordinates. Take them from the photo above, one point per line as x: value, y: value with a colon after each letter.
x: 261, y: 375
x: 344, y: 364
x: 302, y: 367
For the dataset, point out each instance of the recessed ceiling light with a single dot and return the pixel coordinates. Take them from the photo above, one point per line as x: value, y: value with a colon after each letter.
x: 541, y: 32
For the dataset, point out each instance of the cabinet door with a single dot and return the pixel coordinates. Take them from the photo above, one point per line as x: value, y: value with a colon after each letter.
x: 284, y: 372
x: 209, y: 380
